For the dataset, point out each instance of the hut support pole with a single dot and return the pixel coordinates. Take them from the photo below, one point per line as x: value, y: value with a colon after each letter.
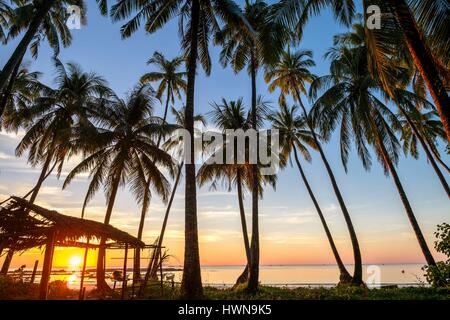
x: 83, y: 271
x: 124, y: 273
x: 33, y: 275
x: 7, y: 262
x: 161, y: 272
x: 47, y: 267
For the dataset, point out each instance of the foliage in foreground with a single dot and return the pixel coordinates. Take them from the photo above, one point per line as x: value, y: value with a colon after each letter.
x: 17, y: 290
x: 336, y: 293
x: 10, y: 290
x: 439, y: 275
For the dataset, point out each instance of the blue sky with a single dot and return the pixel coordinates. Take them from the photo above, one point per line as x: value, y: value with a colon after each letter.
x: 290, y: 229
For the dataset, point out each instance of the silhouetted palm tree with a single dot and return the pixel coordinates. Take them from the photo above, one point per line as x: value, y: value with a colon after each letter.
x: 51, y: 119
x: 433, y: 17
x: 39, y: 18
x: 173, y: 144
x: 397, y: 73
x: 240, y: 50
x: 198, y: 19
x: 21, y: 94
x: 6, y: 13
x: 232, y: 115
x: 171, y: 81
x: 399, y: 22
x: 291, y: 75
x: 424, y: 128
x: 295, y: 136
x: 121, y: 151
x: 350, y: 99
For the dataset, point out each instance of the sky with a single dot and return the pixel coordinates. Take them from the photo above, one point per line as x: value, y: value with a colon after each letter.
x: 290, y: 229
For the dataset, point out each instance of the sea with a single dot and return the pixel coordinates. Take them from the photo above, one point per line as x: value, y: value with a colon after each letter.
x: 289, y: 276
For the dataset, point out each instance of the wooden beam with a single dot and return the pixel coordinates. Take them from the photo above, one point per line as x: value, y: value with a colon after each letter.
x: 47, y: 267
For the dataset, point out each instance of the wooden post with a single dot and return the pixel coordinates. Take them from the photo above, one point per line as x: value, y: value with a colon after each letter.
x: 161, y: 271
x: 124, y: 273
x: 83, y: 271
x: 133, y: 283
x: 132, y: 291
x: 47, y: 267
x: 33, y: 275
x: 7, y: 262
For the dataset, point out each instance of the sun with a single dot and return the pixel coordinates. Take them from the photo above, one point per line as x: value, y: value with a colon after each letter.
x: 75, y: 261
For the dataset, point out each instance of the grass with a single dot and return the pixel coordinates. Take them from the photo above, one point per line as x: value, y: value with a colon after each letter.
x: 336, y: 293
x: 16, y: 290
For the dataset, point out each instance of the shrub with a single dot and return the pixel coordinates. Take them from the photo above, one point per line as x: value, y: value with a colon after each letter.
x: 439, y: 275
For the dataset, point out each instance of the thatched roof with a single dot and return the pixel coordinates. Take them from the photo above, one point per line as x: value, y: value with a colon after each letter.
x: 26, y: 225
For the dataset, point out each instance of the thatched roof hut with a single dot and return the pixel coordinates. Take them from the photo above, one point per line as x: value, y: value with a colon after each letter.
x: 25, y: 226
x: 29, y: 225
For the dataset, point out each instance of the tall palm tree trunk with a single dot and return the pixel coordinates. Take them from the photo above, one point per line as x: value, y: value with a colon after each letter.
x: 19, y: 52
x: 254, y: 265
x: 436, y: 155
x: 137, y: 256
x: 357, y: 273
x: 7, y: 92
x: 102, y: 286
x: 423, y: 59
x: 242, y: 216
x: 427, y: 151
x: 409, y: 211
x: 191, y: 285
x: 345, y: 277
x: 244, y: 275
x: 42, y: 178
x: 153, y: 266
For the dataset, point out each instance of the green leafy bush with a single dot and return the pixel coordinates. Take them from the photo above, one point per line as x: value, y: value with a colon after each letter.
x: 439, y: 275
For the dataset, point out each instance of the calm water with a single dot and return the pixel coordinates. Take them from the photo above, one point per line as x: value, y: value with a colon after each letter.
x: 312, y: 274
x: 292, y: 276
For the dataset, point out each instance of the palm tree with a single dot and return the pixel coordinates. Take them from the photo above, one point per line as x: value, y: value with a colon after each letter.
x: 430, y: 129
x: 122, y: 151
x: 350, y: 98
x: 422, y: 55
x: 173, y: 144
x: 291, y: 75
x: 232, y: 115
x: 241, y: 49
x: 432, y: 17
x: 39, y: 16
x: 198, y: 19
x: 21, y: 94
x: 53, y: 29
x: 423, y: 128
x: 172, y: 82
x: 295, y: 134
x: 51, y: 119
x: 6, y: 13
x: 397, y: 73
